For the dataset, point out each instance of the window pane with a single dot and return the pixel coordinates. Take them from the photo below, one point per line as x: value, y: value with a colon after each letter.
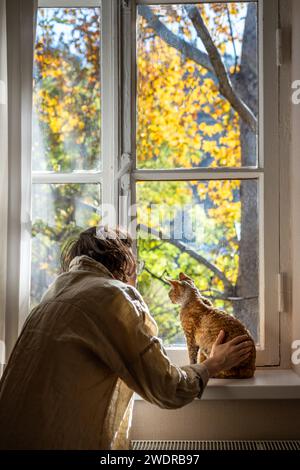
x: 66, y: 98
x: 197, y: 85
x: 208, y: 229
x: 58, y: 212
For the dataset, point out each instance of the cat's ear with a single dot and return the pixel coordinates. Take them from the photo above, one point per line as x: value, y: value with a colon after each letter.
x: 184, y: 277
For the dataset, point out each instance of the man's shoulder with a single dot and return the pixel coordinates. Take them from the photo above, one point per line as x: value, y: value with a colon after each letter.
x: 96, y: 295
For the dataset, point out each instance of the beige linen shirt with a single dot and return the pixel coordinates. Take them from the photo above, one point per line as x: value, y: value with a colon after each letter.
x: 83, y: 351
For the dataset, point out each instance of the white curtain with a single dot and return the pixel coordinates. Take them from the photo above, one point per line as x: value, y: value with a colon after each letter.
x: 17, y: 25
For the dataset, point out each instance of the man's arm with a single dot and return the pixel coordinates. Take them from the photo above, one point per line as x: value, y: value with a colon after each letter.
x: 128, y: 347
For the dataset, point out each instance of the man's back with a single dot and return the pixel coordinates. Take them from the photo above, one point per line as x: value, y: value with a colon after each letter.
x: 56, y: 388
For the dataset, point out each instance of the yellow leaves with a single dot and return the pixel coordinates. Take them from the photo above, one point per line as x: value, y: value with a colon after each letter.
x: 209, y: 145
x: 194, y: 158
x: 202, y: 190
x: 94, y: 220
x: 181, y: 116
x: 226, y: 107
x: 217, y: 128
x: 153, y: 136
x: 55, y: 125
x: 190, y: 68
x: 52, y: 102
x: 69, y: 100
x: 187, y: 32
x: 197, y: 140
x: 57, y: 73
x: 222, y: 47
x: 80, y: 140
x: 209, y: 83
x: 233, y: 8
x: 44, y: 266
x: 226, y: 210
x: 211, y: 130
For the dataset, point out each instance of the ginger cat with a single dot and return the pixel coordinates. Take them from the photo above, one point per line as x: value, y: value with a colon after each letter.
x: 201, y: 323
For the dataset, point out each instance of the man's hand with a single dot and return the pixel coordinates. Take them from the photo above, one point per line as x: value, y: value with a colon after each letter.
x: 224, y: 356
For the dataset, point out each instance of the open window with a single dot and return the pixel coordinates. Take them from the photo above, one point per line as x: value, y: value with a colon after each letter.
x: 189, y: 160
x: 204, y: 144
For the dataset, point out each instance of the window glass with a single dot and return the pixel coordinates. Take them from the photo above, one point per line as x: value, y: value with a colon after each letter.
x: 59, y: 211
x: 67, y: 90
x: 197, y: 85
x: 209, y: 230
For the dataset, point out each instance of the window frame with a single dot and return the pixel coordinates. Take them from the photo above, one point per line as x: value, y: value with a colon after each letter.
x: 109, y: 132
x: 266, y: 173
x: 109, y: 102
x: 118, y: 136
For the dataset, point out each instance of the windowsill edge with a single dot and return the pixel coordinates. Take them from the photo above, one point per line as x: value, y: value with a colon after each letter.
x: 273, y: 384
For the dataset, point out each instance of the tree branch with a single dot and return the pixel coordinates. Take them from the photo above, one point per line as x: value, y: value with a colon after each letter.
x: 228, y: 287
x: 187, y: 49
x: 159, y: 278
x: 225, y: 85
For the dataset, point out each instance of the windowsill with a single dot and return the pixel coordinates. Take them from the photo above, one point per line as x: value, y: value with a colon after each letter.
x: 265, y: 385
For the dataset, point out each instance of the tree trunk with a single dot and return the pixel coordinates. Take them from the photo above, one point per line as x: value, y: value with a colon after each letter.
x: 247, y: 85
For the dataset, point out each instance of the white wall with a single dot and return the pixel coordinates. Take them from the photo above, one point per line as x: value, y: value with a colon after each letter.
x: 220, y: 420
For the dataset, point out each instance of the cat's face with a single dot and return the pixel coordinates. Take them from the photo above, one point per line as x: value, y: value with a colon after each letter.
x: 182, y: 289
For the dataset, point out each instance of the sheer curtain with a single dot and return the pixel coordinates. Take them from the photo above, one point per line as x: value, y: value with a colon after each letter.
x: 17, y: 25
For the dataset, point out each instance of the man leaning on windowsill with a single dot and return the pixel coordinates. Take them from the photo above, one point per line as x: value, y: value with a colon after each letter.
x: 84, y: 350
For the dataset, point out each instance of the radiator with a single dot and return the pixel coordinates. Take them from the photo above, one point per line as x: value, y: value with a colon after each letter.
x: 215, y: 445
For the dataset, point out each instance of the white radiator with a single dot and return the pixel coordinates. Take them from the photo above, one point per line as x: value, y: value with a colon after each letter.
x: 215, y: 445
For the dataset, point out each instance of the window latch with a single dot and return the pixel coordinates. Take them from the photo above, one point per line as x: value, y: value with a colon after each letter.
x: 123, y: 174
x: 125, y: 3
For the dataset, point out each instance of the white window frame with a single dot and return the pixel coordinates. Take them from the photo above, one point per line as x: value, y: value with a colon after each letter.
x: 267, y: 172
x: 118, y: 85
x: 109, y: 128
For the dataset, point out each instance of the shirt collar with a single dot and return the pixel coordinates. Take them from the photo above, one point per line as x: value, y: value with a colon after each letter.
x: 85, y: 263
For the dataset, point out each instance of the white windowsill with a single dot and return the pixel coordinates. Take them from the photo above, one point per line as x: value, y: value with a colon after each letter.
x: 265, y: 385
